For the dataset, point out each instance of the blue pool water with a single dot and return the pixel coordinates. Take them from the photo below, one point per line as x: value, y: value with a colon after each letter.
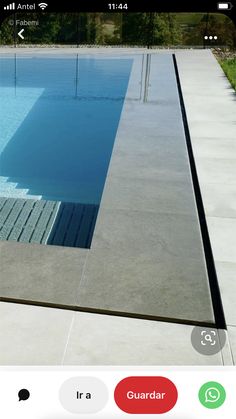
x: 58, y: 122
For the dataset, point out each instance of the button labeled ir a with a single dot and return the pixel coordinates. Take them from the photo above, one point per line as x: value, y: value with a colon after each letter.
x: 80, y: 396
x: 83, y: 395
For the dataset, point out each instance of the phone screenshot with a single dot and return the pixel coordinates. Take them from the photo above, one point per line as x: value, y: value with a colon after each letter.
x: 117, y: 209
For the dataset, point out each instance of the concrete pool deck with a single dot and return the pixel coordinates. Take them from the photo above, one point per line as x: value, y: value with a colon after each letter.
x: 146, y: 342
x: 146, y: 257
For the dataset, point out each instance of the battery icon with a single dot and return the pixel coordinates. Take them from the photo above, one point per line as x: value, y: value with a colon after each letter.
x: 224, y: 6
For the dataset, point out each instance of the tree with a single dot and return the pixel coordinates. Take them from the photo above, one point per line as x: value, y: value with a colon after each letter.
x: 212, y: 24
x: 151, y: 29
x: 134, y: 28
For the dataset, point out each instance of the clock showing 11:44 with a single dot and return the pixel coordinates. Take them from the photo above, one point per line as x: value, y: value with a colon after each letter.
x: 116, y: 6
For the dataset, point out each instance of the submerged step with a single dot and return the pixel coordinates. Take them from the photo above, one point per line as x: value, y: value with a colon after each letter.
x: 47, y: 222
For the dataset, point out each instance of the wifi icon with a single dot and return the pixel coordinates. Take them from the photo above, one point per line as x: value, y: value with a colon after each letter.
x: 43, y: 5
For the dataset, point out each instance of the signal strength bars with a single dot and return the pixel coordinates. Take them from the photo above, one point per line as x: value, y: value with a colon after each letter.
x: 10, y: 6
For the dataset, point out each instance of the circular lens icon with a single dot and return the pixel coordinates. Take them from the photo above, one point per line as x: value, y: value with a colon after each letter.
x: 208, y: 341
x: 212, y: 395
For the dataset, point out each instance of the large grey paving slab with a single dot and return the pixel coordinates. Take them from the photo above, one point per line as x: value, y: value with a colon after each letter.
x: 158, y: 113
x: 216, y: 170
x: 218, y: 192
x: 232, y: 337
x: 221, y: 148
x: 150, y: 166
x: 139, y: 139
x: 140, y: 286
x: 226, y: 352
x: 219, y: 199
x: 154, y: 267
x: 144, y: 153
x: 203, y: 110
x: 161, y: 81
x: 156, y: 195
x: 32, y: 335
x: 146, y: 124
x: 111, y: 340
x: 223, y: 233
x: 208, y: 96
x: 226, y: 273
x: 40, y: 273
x: 212, y: 129
x: 136, y: 232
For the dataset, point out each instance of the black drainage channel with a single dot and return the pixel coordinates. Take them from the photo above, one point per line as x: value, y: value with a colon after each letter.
x: 214, y: 285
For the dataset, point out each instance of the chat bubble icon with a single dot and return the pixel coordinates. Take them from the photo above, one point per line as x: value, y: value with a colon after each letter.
x: 212, y: 395
x: 23, y: 394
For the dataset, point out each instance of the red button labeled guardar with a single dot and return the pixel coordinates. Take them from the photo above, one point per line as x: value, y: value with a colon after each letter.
x: 146, y: 395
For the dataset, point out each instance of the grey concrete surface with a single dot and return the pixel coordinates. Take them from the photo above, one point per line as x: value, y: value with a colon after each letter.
x: 147, y: 254
x: 219, y: 199
x: 142, y: 285
x: 223, y: 232
x: 232, y: 337
x: 211, y: 108
x: 163, y: 196
x: 226, y: 274
x: 122, y: 341
x: 32, y: 335
x: 148, y: 258
x: 226, y: 352
x: 44, y: 274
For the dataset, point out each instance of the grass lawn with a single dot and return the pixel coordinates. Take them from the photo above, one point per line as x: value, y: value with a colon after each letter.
x: 229, y: 67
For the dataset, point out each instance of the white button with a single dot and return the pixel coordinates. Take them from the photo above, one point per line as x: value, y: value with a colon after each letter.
x: 83, y: 395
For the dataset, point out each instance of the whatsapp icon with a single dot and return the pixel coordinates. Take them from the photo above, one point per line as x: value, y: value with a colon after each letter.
x: 212, y: 395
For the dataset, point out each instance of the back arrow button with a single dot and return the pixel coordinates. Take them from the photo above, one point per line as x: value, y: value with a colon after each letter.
x: 20, y: 34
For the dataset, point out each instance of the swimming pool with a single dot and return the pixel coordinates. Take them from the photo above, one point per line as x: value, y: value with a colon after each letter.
x: 59, y: 117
